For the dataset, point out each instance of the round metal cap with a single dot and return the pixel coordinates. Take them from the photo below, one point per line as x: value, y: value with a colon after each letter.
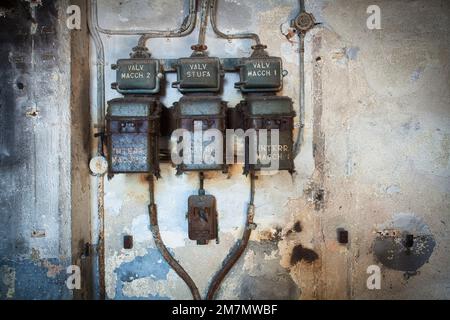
x: 304, y: 21
x: 98, y: 165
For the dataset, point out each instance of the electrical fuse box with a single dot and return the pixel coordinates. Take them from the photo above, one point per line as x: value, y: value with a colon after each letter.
x: 203, y: 113
x: 198, y: 74
x: 260, y: 74
x: 137, y: 76
x: 269, y: 112
x: 202, y: 218
x: 132, y: 135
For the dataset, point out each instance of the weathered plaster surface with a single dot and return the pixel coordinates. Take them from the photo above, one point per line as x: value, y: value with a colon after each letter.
x: 35, y: 161
x: 376, y: 143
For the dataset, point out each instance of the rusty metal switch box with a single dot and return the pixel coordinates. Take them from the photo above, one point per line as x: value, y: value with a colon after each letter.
x: 132, y: 135
x: 269, y: 112
x: 137, y: 76
x: 198, y: 74
x: 260, y: 74
x: 202, y: 218
x: 203, y: 113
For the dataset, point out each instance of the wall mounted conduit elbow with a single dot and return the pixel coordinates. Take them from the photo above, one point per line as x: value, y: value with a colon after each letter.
x: 185, y: 30
x: 247, y: 35
x: 160, y: 33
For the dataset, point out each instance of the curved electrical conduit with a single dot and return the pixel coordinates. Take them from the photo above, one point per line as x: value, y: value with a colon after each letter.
x: 183, y: 31
x: 162, y: 247
x: 213, y: 18
x: 237, y: 251
x: 95, y: 31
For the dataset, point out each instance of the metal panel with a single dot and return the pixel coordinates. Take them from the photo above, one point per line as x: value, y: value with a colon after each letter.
x: 198, y: 74
x: 137, y: 76
x: 211, y: 111
x: 270, y: 112
x: 260, y: 74
x: 132, y: 135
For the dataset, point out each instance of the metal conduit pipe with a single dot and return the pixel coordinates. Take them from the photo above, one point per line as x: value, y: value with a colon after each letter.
x: 162, y: 33
x: 201, y: 46
x: 183, y: 31
x: 301, y: 111
x: 303, y: 23
x: 173, y: 263
x: 237, y: 251
x: 213, y: 18
x: 100, y: 66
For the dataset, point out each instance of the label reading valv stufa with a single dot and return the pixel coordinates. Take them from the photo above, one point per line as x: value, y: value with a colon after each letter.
x: 198, y: 74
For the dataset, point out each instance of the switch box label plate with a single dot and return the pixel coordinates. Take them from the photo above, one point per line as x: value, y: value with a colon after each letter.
x: 260, y: 74
x: 138, y: 76
x: 200, y: 74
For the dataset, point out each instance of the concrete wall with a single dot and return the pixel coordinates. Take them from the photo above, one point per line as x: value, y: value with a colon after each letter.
x: 35, y: 180
x: 375, y: 157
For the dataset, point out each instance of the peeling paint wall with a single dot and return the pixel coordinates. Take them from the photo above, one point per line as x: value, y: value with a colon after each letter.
x: 375, y: 145
x: 374, y: 159
x: 35, y: 162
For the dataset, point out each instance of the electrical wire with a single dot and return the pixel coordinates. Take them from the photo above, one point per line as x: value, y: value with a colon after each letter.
x: 183, y: 31
x: 299, y: 139
x: 237, y: 250
x: 173, y: 263
x: 213, y: 18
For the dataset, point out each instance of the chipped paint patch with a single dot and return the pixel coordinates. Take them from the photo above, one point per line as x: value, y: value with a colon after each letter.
x: 9, y: 280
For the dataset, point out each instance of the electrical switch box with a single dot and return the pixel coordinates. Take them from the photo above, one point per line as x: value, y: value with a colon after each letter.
x: 132, y: 135
x: 198, y: 74
x: 202, y: 218
x: 197, y: 115
x: 137, y: 76
x: 260, y: 74
x: 270, y: 113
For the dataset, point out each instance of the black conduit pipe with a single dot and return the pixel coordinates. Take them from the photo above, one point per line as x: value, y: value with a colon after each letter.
x: 173, y: 263
x: 237, y: 251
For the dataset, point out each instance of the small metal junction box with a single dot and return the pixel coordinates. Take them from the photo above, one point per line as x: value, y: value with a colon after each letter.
x: 269, y: 112
x: 201, y: 112
x: 202, y: 218
x: 259, y: 74
x: 137, y: 76
x: 198, y: 74
x: 132, y: 135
